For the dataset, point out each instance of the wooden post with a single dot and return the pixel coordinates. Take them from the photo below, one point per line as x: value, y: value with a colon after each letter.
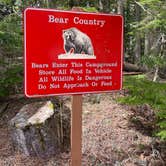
x: 76, y: 124
x: 76, y: 130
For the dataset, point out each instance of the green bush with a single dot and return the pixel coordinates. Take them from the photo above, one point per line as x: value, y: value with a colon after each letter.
x: 11, y: 81
x: 11, y: 36
x: 11, y: 40
x: 142, y: 91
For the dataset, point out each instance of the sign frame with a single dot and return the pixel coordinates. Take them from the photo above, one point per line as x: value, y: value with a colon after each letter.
x: 73, y: 92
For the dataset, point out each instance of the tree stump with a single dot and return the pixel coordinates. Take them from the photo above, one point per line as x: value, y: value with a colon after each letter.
x: 41, y: 129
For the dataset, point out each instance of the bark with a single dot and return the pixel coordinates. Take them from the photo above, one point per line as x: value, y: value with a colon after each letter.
x: 128, y: 67
x: 127, y: 29
x: 41, y: 129
x: 74, y: 3
x: 104, y: 6
x: 52, y: 4
x: 120, y: 7
x: 147, y: 43
x: 138, y: 38
x: 156, y: 74
x: 132, y: 73
x: 160, y: 50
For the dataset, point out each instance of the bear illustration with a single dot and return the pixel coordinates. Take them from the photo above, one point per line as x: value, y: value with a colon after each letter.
x: 77, y: 41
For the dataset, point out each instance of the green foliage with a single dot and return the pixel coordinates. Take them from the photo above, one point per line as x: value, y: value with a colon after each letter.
x: 11, y: 35
x: 154, y: 15
x: 162, y: 123
x: 162, y: 134
x: 11, y: 80
x: 7, y: 2
x: 90, y: 9
x: 150, y: 20
x: 11, y: 39
x: 142, y: 91
x: 152, y: 60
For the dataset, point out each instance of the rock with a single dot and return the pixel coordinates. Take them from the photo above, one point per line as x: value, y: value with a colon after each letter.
x: 41, y: 129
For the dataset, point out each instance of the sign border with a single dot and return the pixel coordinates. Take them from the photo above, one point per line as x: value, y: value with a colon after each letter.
x: 74, y: 93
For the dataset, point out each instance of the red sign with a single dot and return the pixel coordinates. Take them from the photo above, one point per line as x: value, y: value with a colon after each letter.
x: 70, y: 52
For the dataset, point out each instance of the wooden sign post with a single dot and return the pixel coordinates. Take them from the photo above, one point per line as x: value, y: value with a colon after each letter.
x: 76, y: 127
x: 76, y: 130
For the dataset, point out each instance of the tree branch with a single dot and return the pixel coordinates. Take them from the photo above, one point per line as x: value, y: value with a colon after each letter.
x: 143, y: 8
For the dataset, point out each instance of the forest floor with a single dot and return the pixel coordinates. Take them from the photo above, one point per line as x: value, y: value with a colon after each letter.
x: 111, y: 137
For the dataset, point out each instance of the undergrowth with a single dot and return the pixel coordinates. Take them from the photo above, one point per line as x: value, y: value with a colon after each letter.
x: 142, y: 91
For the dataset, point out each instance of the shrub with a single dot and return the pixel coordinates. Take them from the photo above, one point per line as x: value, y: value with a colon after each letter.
x: 142, y: 91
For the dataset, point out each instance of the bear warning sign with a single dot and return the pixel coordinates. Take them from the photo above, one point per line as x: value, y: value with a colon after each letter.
x: 68, y: 52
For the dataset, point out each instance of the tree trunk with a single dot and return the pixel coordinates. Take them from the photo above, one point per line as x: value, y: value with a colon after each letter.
x: 137, y: 49
x: 147, y: 43
x: 156, y: 74
x: 74, y: 3
x: 52, y: 4
x: 104, y: 6
x: 120, y: 7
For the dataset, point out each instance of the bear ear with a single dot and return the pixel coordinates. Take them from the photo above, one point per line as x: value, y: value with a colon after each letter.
x: 64, y: 31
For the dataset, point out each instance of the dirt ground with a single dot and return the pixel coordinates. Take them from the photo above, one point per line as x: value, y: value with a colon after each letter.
x: 110, y: 137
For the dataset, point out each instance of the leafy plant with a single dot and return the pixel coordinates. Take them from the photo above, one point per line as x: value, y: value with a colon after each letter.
x: 143, y: 91
x: 11, y: 80
x: 11, y: 35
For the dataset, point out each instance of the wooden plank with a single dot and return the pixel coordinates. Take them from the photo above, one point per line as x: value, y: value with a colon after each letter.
x: 76, y: 130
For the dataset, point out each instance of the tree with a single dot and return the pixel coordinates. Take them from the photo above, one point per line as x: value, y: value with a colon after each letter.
x: 153, y: 26
x: 120, y: 6
x: 104, y: 6
x: 137, y: 49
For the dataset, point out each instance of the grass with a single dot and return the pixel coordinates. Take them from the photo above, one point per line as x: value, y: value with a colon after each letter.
x: 142, y: 91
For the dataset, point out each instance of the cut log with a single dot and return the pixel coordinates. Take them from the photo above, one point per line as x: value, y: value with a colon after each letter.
x: 133, y: 68
x: 131, y: 73
x: 162, y: 72
x: 41, y: 129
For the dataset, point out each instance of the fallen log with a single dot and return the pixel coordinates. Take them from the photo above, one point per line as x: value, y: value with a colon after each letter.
x: 132, y: 73
x: 128, y: 67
